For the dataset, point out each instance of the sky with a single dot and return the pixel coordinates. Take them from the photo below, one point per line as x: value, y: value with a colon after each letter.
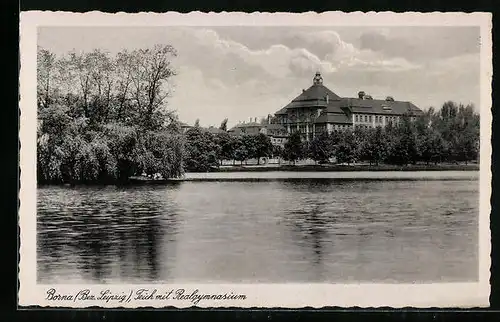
x: 243, y: 72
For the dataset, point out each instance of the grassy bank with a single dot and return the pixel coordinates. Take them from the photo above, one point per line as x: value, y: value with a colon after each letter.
x: 345, y: 168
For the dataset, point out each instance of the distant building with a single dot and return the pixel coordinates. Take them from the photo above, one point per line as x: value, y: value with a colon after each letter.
x: 276, y: 132
x: 213, y: 130
x: 251, y: 127
x: 185, y: 127
x: 318, y: 110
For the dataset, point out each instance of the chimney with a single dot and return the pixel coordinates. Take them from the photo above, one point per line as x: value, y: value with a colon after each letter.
x: 361, y: 95
x: 255, y: 120
x: 303, y: 90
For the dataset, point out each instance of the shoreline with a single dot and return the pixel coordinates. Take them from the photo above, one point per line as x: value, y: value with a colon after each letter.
x: 237, y: 170
x: 347, y: 168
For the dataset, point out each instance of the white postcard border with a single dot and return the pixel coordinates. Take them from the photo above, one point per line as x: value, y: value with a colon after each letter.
x: 257, y: 295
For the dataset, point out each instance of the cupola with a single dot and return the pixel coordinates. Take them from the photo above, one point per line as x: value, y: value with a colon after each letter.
x: 318, y: 79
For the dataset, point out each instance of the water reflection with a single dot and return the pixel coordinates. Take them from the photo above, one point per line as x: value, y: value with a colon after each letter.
x: 299, y: 230
x: 103, y: 234
x: 357, y: 230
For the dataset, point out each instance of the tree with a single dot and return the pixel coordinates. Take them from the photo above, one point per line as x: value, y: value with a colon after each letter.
x: 293, y: 148
x: 250, y: 144
x: 202, y: 152
x: 46, y: 68
x: 468, y: 133
x: 346, y: 148
x: 197, y: 123
x: 104, y: 118
x: 241, y: 152
x: 263, y: 146
x: 278, y: 152
x: 320, y: 148
x: 223, y: 125
x: 152, y: 70
x: 226, y: 146
x: 458, y: 126
x: 376, y: 145
x: 403, y: 143
x: 466, y: 146
x: 430, y: 145
x: 362, y: 147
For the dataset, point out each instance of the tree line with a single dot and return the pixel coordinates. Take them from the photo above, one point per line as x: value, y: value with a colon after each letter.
x: 205, y: 150
x: 103, y: 117
x: 448, y: 135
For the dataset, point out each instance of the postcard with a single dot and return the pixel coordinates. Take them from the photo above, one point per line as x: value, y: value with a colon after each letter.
x: 255, y: 160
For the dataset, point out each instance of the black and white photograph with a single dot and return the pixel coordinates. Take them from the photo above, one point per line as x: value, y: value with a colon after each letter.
x: 316, y: 160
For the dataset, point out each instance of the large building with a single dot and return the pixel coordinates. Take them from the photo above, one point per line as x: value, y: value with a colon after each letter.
x: 317, y: 110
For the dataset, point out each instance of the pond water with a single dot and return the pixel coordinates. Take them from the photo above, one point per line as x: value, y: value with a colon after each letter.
x: 288, y: 228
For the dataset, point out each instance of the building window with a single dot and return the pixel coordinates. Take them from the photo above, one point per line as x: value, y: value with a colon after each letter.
x: 370, y: 118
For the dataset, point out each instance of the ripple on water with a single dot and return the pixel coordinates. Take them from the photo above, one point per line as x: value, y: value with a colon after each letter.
x: 273, y: 231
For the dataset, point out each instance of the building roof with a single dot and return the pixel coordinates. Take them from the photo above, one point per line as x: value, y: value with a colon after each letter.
x: 246, y: 125
x: 336, y: 107
x: 213, y: 130
x: 281, y: 111
x: 316, y: 96
x: 369, y: 106
x: 316, y: 92
x: 333, y: 118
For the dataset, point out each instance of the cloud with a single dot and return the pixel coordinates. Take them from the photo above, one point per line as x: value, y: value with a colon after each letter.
x: 239, y: 82
x: 235, y: 74
x: 306, y: 53
x: 424, y: 43
x: 277, y: 60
